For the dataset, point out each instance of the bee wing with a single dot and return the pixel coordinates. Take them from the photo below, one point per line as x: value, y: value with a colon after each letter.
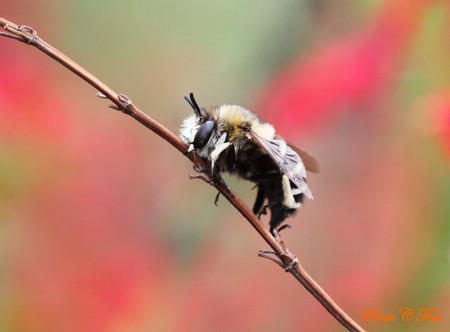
x: 308, y: 160
x: 288, y: 161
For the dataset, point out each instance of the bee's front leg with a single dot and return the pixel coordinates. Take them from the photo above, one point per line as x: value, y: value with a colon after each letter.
x: 209, y: 173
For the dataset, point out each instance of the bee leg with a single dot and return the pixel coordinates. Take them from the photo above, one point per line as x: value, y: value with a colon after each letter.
x: 216, y: 200
x: 263, y: 211
x: 279, y: 229
x: 280, y: 240
x: 228, y: 157
x: 258, y: 207
x: 215, y: 154
x: 278, y: 215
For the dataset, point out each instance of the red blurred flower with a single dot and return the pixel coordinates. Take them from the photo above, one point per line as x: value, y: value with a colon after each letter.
x: 80, y: 262
x: 344, y: 74
x: 28, y: 108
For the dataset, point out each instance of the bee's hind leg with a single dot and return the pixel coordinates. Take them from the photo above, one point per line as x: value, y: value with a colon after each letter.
x: 277, y: 231
x: 263, y: 211
x: 258, y: 206
x: 216, y: 200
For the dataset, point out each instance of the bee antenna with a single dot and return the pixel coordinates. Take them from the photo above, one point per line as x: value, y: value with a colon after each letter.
x: 193, y: 103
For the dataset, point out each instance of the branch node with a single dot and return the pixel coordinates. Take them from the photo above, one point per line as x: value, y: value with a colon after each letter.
x: 289, y: 264
x: 101, y: 95
x: 292, y: 265
x: 125, y: 100
x: 124, y: 104
x: 28, y: 32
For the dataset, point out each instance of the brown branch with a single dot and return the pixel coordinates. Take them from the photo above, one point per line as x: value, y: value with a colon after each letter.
x: 279, y: 253
x: 10, y: 35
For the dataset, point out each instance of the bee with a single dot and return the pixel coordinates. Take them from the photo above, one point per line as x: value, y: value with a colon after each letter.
x: 237, y: 141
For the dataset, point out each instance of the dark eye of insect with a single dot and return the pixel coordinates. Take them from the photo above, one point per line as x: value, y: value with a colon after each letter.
x: 204, y: 134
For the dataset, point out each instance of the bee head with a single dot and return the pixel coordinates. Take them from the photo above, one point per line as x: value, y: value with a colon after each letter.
x: 207, y: 126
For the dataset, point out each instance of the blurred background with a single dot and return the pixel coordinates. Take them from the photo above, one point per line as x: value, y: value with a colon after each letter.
x: 100, y: 227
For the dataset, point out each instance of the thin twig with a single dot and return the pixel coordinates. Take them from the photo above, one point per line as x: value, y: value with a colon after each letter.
x: 10, y: 35
x: 122, y: 103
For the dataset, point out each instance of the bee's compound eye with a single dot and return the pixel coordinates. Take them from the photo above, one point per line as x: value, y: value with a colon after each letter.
x: 204, y: 134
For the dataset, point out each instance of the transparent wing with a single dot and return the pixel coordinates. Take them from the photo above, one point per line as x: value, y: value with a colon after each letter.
x: 308, y: 160
x: 288, y: 161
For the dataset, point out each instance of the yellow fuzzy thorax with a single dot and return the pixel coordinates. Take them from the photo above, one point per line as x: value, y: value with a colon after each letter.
x: 235, y: 118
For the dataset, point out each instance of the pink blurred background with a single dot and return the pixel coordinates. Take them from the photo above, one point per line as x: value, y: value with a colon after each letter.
x: 100, y: 227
